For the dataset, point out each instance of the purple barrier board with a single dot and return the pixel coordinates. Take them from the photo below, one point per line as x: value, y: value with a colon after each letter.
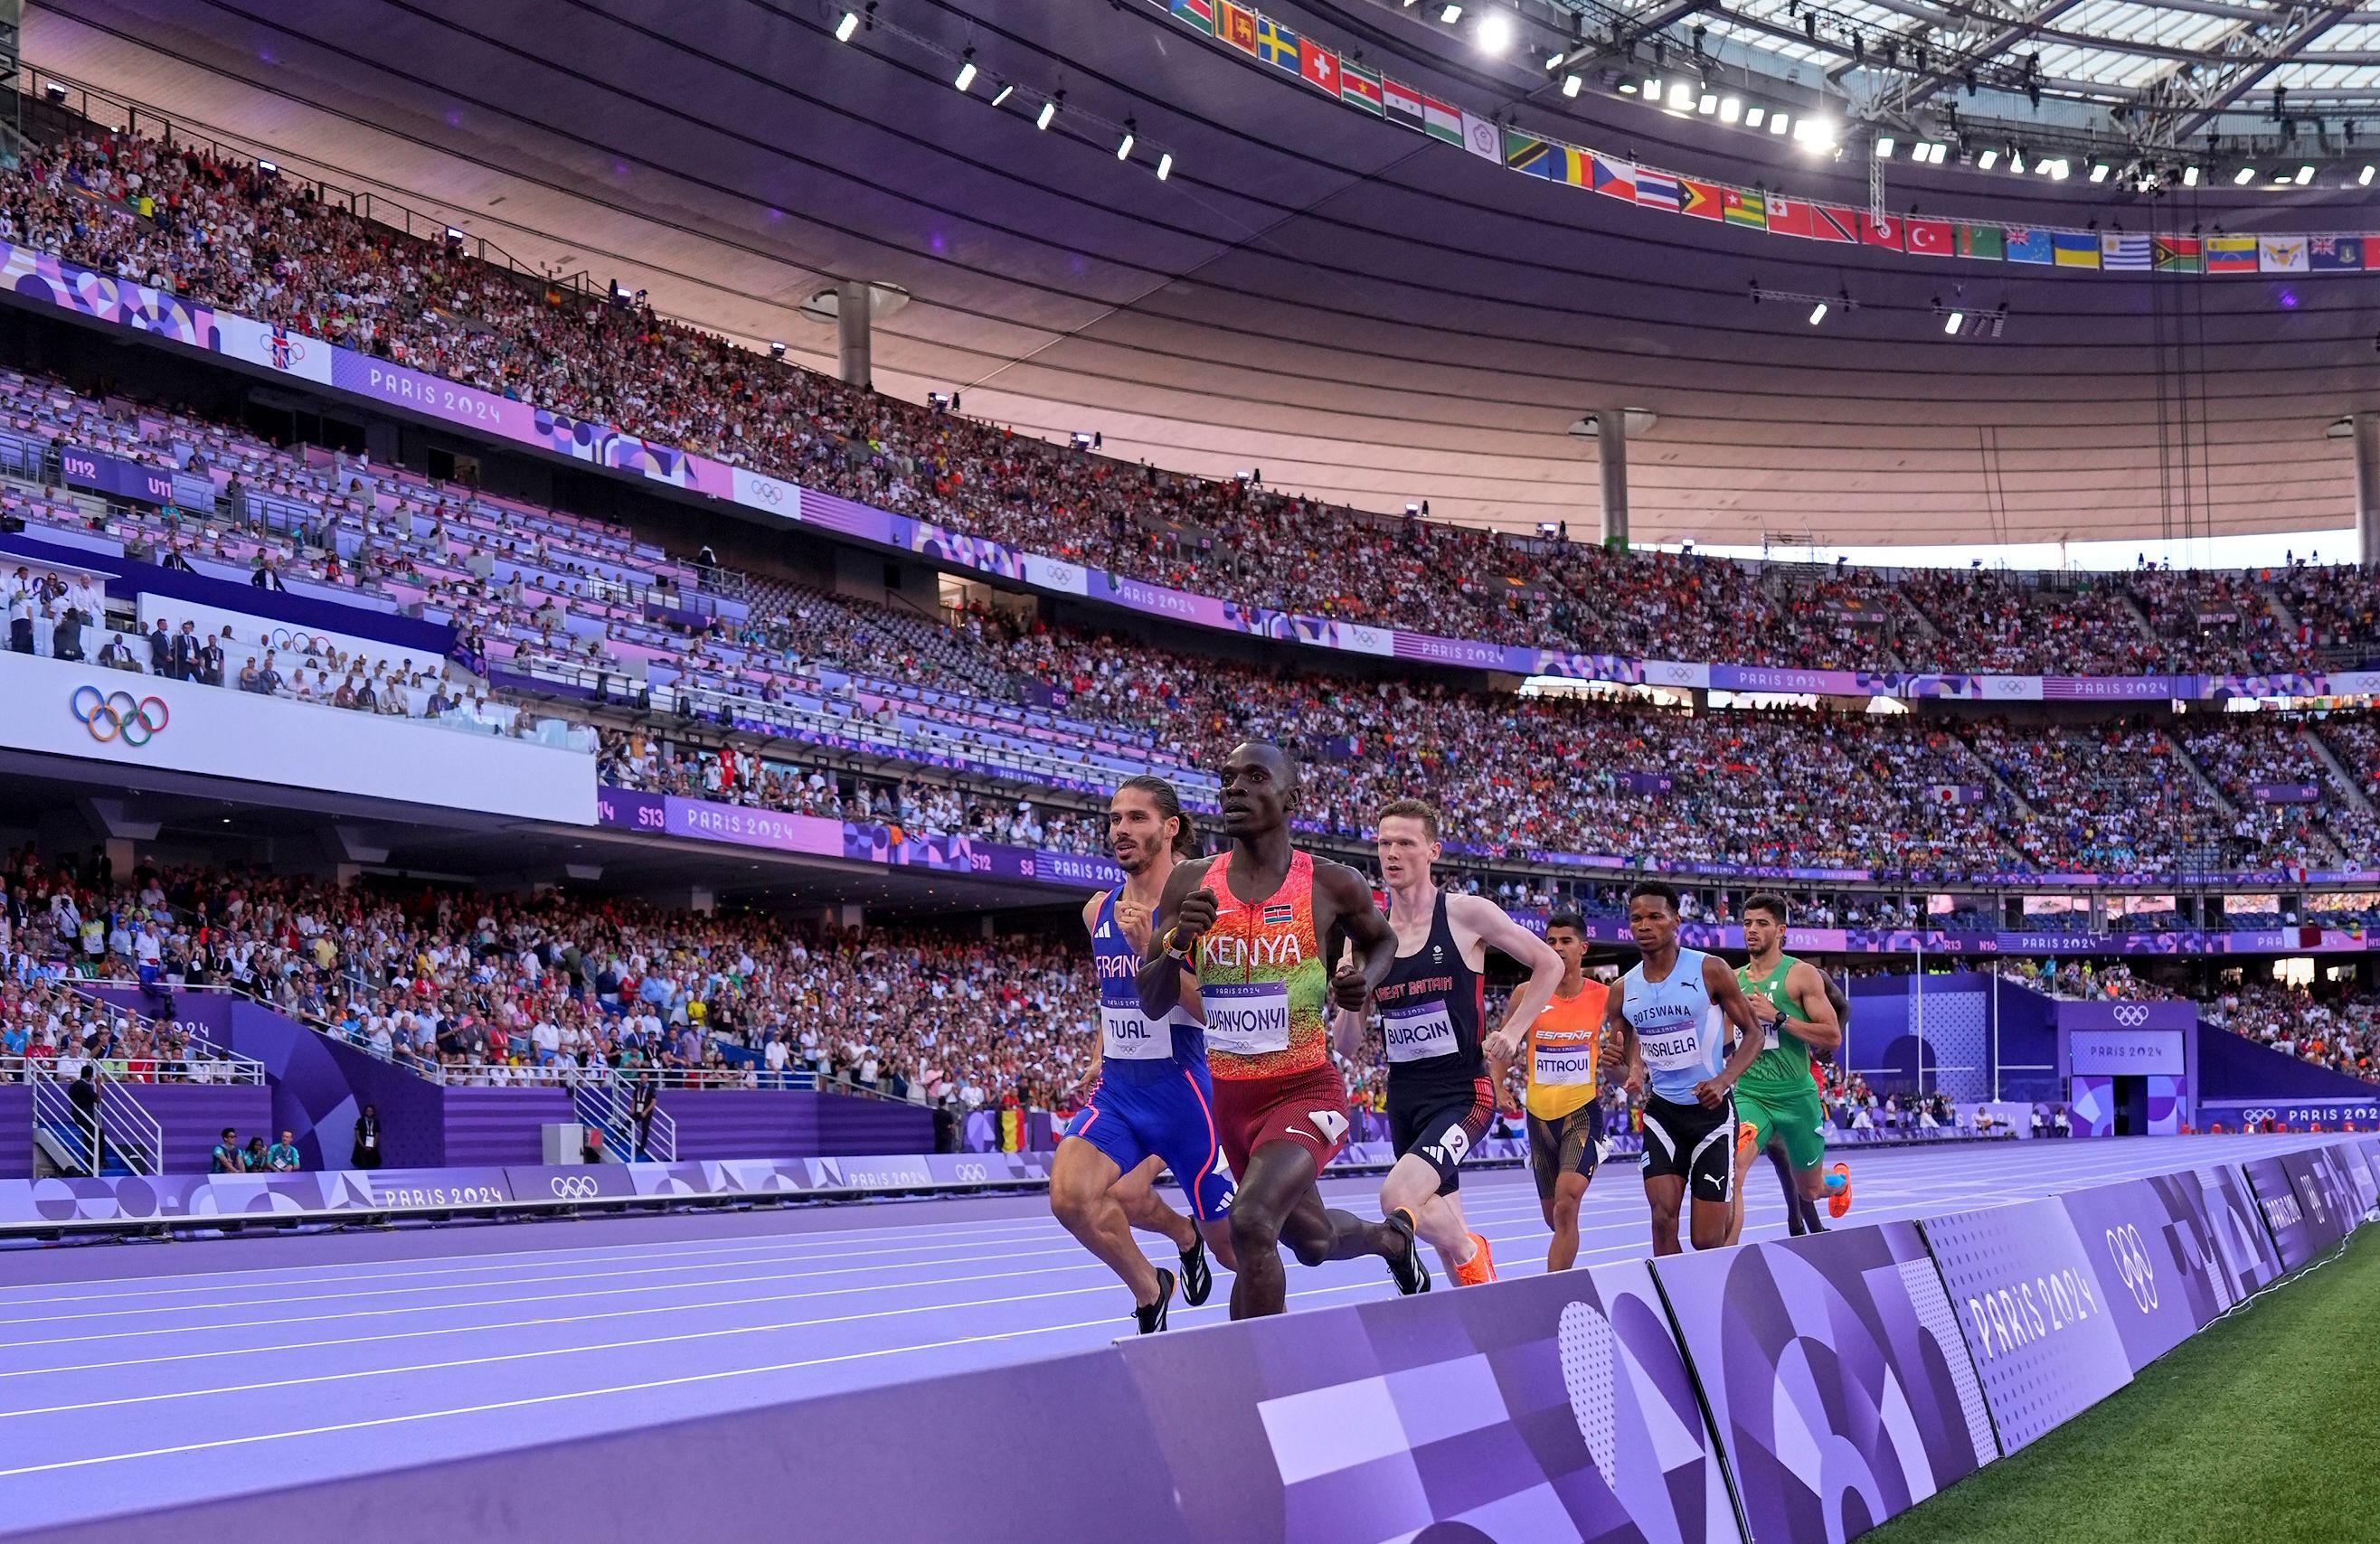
x: 2169, y: 1254
x: 2044, y: 1341
x: 2300, y: 1232
x: 1836, y: 1374
x: 1547, y: 1408
x: 2327, y: 1193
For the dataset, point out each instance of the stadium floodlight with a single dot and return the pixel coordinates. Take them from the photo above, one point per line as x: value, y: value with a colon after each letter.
x: 1005, y: 92
x: 967, y: 71
x: 1817, y: 313
x: 1571, y: 84
x: 1681, y: 95
x: 2190, y: 175
x: 777, y: 351
x: 2099, y: 170
x: 1708, y: 104
x: 1986, y: 160
x: 1653, y: 90
x: 1884, y: 147
x: 1730, y: 109
x: 1047, y: 115
x: 2305, y: 174
x: 1164, y: 165
x: 1952, y: 323
x: 847, y: 26
x: 1754, y: 115
x: 2245, y: 175
x: 1779, y: 123
x: 1495, y: 33
x: 1554, y: 62
x: 2364, y: 178
x: 1124, y: 147
x: 2058, y: 169
x: 1627, y: 86
x: 1450, y: 15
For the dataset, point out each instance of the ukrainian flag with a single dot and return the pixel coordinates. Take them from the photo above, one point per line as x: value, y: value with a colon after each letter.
x: 2075, y: 249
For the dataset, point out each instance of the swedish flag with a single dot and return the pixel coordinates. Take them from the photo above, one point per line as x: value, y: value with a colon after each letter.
x: 1276, y: 44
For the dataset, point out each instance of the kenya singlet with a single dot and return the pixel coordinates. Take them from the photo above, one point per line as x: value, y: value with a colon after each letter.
x: 1132, y: 1050
x: 1262, y: 979
x: 1431, y: 1003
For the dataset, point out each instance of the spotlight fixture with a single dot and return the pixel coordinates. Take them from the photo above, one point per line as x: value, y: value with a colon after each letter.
x: 2363, y: 178
x: 1495, y: 33
x: 1571, y: 84
x: 1049, y: 113
x: 1779, y: 123
x: 1708, y: 104
x: 1003, y: 94
x: 1754, y: 115
x: 1123, y: 146
x: 966, y: 70
x: 777, y: 351
x: 1164, y: 165
x: 1952, y: 323
x: 2099, y: 170
x: 2305, y: 176
x: 2245, y: 175
x: 1986, y: 160
x: 1817, y: 313
x: 1884, y: 147
x: 1450, y: 15
x: 846, y: 26
x: 1681, y: 95
x: 1653, y: 90
x: 1627, y: 86
x: 1730, y: 109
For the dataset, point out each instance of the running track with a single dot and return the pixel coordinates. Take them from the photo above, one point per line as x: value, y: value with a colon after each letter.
x: 145, y: 1375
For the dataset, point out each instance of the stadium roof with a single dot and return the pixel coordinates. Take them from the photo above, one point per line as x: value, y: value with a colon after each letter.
x: 1359, y: 312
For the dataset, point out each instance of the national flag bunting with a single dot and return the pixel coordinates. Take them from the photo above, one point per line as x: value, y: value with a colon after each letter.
x: 1319, y: 65
x: 2230, y: 254
x: 1534, y: 157
x: 1577, y: 167
x: 1835, y: 223
x: 1359, y: 87
x: 2074, y: 248
x: 1791, y: 216
x: 1927, y: 237
x: 2281, y: 254
x: 1659, y: 189
x: 2333, y: 254
x: 1196, y: 13
x: 2026, y: 245
x: 1236, y: 25
x: 1881, y: 230
x: 2124, y: 254
x: 1482, y: 138
x: 1988, y: 243
x: 1441, y: 120
x: 1613, y: 179
x: 2178, y: 254
x: 1739, y: 207
x: 1702, y: 198
x: 1277, y: 45
x: 1400, y: 103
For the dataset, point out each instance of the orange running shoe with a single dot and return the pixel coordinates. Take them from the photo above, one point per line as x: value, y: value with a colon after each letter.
x: 1480, y: 1267
x: 1839, y: 1189
x: 1747, y: 1137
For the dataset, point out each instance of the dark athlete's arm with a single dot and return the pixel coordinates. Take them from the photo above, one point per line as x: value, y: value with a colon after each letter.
x: 1355, y: 917
x: 1720, y: 982
x: 1183, y: 908
x: 1807, y: 986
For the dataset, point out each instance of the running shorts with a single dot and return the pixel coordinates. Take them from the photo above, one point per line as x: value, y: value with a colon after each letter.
x: 1439, y: 1125
x: 1791, y: 1115
x: 1573, y: 1144
x: 1309, y: 1107
x: 1692, y: 1143
x: 1174, y: 1120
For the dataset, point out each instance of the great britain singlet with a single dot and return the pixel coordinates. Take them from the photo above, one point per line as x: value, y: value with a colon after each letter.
x: 1430, y: 1003
x: 1132, y: 1050
x: 1262, y: 979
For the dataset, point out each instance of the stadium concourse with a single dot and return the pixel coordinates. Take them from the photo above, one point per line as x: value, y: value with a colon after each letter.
x: 615, y: 627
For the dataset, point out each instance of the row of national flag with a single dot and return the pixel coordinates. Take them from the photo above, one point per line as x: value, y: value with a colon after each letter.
x: 1274, y: 44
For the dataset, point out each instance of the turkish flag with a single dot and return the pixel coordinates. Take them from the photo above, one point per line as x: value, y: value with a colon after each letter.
x: 1929, y: 239
x: 1319, y: 65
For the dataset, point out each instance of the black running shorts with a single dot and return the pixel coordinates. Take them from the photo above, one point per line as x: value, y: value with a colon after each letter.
x: 1440, y: 1124
x: 1570, y: 1144
x: 1692, y: 1143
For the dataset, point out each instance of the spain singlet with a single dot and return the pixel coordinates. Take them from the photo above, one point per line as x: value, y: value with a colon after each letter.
x: 1564, y: 1043
x: 1262, y: 979
x: 1132, y: 1050
x: 1785, y: 1057
x: 1431, y: 1003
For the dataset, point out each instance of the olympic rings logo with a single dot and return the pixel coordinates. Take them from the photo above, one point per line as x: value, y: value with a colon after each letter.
x: 2131, y: 1015
x: 2132, y: 1263
x: 119, y: 715
x: 575, y: 1187
x: 282, y: 637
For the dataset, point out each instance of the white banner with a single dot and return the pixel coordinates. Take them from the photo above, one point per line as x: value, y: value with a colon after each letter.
x: 2011, y: 688
x: 1361, y: 639
x: 259, y: 342
x: 769, y: 495
x: 1051, y: 575
x: 135, y: 720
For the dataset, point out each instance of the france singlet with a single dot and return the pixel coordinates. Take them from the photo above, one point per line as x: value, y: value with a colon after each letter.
x: 1132, y: 1050
x: 1262, y: 978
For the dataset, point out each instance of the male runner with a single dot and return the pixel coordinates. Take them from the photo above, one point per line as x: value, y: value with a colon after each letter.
x: 1150, y: 1105
x: 1776, y: 1100
x: 1430, y: 1006
x: 1565, y: 1108
x: 1670, y: 1014
x: 1253, y: 929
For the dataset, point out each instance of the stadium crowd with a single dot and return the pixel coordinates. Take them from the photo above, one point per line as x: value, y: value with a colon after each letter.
x: 275, y: 248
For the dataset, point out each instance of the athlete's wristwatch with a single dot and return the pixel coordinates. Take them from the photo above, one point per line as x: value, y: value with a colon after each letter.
x: 1173, y: 950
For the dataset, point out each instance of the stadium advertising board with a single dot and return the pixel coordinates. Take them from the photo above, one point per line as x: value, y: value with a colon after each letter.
x: 2168, y: 1253
x: 136, y: 721
x: 2301, y: 1230
x: 2126, y: 1052
x: 1560, y: 1408
x: 2041, y: 1330
x: 1842, y: 1345
x: 102, y: 473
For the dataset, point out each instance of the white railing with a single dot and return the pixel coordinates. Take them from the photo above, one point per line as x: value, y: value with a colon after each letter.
x: 216, y: 1065
x: 604, y: 1103
x: 126, y: 1129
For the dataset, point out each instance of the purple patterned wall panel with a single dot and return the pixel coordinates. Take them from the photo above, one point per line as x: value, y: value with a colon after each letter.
x: 1546, y: 1408
x: 2169, y: 1253
x: 2042, y: 1333
x: 16, y: 1131
x: 2298, y: 1235
x: 1836, y: 1373
x: 189, y: 1116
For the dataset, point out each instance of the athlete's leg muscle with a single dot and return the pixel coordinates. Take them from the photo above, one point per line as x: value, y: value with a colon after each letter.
x: 1136, y: 1194
x: 1664, y: 1193
x: 1081, y: 1184
x: 1562, y: 1213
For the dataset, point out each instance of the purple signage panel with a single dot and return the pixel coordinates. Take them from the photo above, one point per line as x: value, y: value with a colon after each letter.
x: 2125, y: 1051
x: 1842, y: 1345
x: 1551, y: 1406
x: 1765, y: 678
x: 2299, y: 1233
x: 631, y: 810
x: 433, y: 397
x: 2326, y: 1190
x: 107, y: 474
x: 2169, y: 1254
x: 2116, y: 688
x: 777, y: 831
x: 163, y: 1198
x: 2286, y: 793
x: 2044, y: 1339
x: 1468, y: 653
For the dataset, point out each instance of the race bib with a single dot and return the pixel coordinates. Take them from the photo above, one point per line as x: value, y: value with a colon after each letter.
x: 1563, y: 1064
x: 1672, y: 1050
x: 1246, y: 1018
x: 1768, y: 1036
x: 1418, y: 1033
x: 1125, y: 1034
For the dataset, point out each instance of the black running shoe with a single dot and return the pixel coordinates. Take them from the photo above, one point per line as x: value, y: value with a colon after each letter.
x: 1197, y: 1280
x: 1151, y: 1318
x: 1411, y: 1275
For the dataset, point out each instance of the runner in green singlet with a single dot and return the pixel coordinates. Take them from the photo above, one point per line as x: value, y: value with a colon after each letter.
x: 1776, y: 1099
